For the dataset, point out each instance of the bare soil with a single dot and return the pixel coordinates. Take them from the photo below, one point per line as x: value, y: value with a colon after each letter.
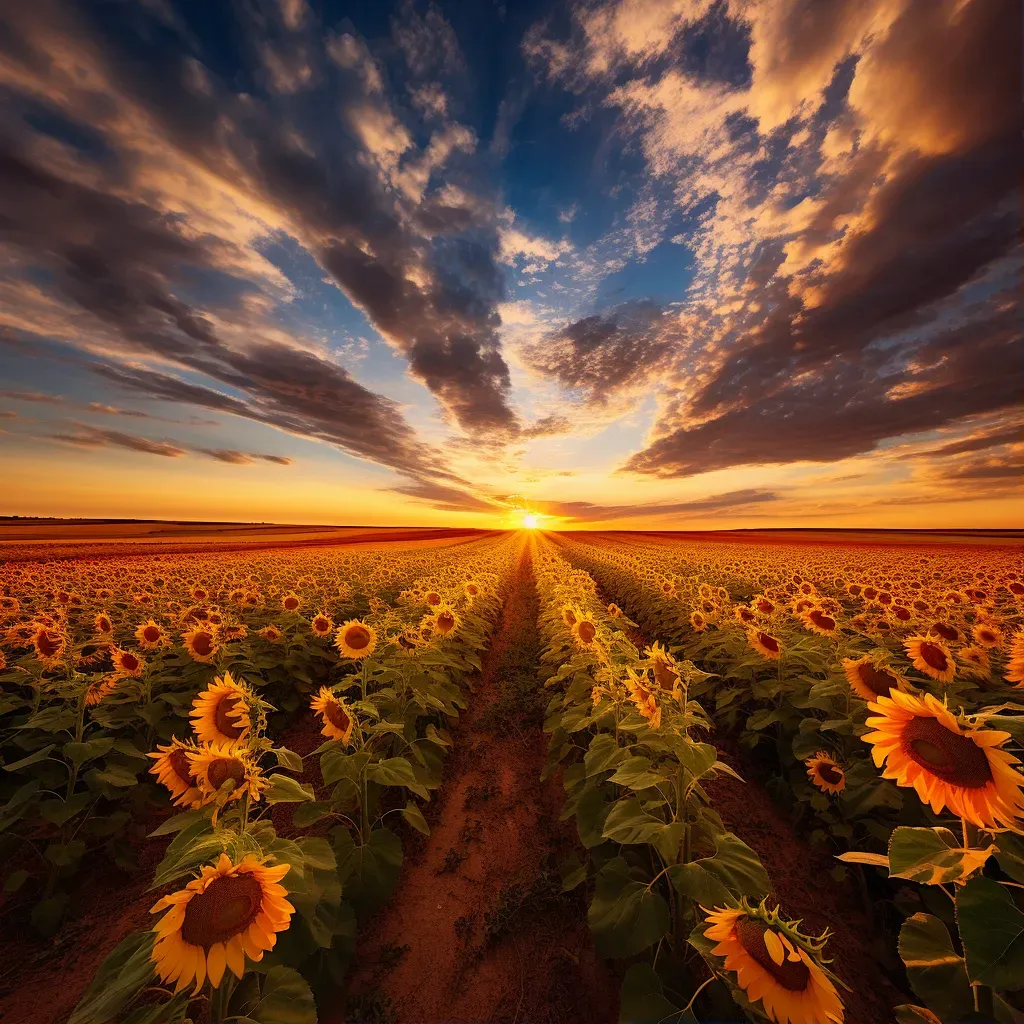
x: 478, y: 929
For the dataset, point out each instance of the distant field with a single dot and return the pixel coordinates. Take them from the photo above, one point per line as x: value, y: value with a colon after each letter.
x: 51, y: 539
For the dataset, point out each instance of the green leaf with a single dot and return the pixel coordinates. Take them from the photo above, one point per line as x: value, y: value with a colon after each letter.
x: 932, y: 856
x: 79, y: 753
x: 592, y: 811
x: 15, y: 880
x: 992, y: 932
x: 635, y: 773
x: 40, y: 755
x: 286, y: 790
x: 1010, y: 855
x: 47, y: 914
x: 936, y: 974
x: 602, y: 754
x: 64, y: 854
x: 876, y: 860
x: 909, y: 1014
x: 308, y: 814
x: 370, y: 872
x: 412, y: 814
x: 628, y: 823
x: 625, y: 916
x: 117, y: 775
x: 60, y: 811
x: 642, y: 999
x: 179, y: 821
x: 733, y: 870
x: 124, y: 973
x: 288, y: 759
x: 284, y: 998
x: 573, y: 872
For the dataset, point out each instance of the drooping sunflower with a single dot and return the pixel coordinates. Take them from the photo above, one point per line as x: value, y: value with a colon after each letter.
x: 584, y: 631
x: 765, y: 644
x: 643, y: 697
x: 98, y: 690
x: 824, y: 771
x: 986, y: 635
x: 818, y: 621
x: 774, y: 965
x: 870, y: 679
x: 151, y: 635
x: 229, y: 912
x: 336, y: 717
x: 221, y: 711
x: 49, y: 644
x: 321, y: 624
x: 270, y: 633
x: 663, y: 664
x: 974, y: 661
x: 201, y: 643
x: 931, y: 656
x: 213, y: 764
x: 355, y: 639
x: 172, y: 769
x: 127, y: 663
x: 444, y: 620
x: 102, y: 623
x: 921, y: 743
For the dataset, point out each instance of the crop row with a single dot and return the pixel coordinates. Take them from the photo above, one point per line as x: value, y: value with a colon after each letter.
x: 883, y: 694
x: 129, y: 686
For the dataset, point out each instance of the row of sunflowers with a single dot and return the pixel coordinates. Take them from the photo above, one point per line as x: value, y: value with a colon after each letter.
x: 667, y: 877
x: 881, y: 688
x: 133, y: 685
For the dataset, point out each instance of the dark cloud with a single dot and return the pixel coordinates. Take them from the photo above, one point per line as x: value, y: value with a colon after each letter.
x: 601, y: 356
x: 237, y: 458
x: 90, y: 437
x: 585, y: 511
x: 979, y: 442
x: 448, y: 499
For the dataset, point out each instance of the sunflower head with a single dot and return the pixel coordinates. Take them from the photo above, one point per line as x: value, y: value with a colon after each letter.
x: 270, y: 633
x: 221, y: 713
x: 229, y: 912
x: 337, y: 718
x: 50, y: 644
x: 819, y: 621
x: 290, y: 602
x: 444, y: 620
x: 202, y: 643
x: 173, y: 770
x: 765, y: 644
x: 102, y: 623
x: 215, y: 764
x: 151, y: 635
x: 931, y: 656
x: 870, y: 678
x: 614, y: 611
x: 127, y: 663
x: 584, y: 631
x: 774, y: 964
x: 569, y: 615
x: 321, y: 624
x: 824, y: 771
x: 948, y: 762
x: 355, y: 639
x: 97, y: 690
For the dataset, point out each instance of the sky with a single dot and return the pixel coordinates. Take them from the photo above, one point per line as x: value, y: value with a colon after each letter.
x: 621, y: 264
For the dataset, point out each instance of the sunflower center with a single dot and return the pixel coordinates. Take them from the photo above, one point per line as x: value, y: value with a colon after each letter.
x: 291, y: 603
x: 223, y: 768
x: 587, y: 631
x: 202, y: 644
x: 357, y: 637
x: 792, y: 975
x: 950, y: 756
x: 768, y: 641
x: 946, y: 632
x: 876, y: 680
x: 664, y: 675
x: 228, y: 906
x: 445, y: 622
x: 178, y: 760
x: 337, y: 715
x: 129, y: 662
x: 823, y: 621
x: 830, y: 773
x: 934, y: 656
x: 151, y: 634
x: 226, y: 725
x: 48, y: 645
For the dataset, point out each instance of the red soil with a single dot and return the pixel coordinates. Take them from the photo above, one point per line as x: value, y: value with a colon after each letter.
x: 486, y: 936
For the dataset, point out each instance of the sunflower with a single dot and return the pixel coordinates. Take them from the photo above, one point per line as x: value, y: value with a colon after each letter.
x: 643, y: 697
x: 201, y: 643
x: 433, y: 598
x: 921, y: 743
x: 151, y: 635
x: 817, y: 621
x: 97, y: 690
x: 290, y: 602
x: 987, y: 636
x: 774, y: 964
x: 471, y: 589
x: 744, y: 614
x: 321, y: 624
x: 221, y: 711
x: 102, y: 623
x: 824, y: 771
x: 49, y: 644
x: 338, y: 722
x: 229, y: 912
x: 584, y: 631
x: 870, y: 679
x: 1015, y: 665
x: 569, y: 615
x: 270, y: 633
x: 666, y: 675
x: 698, y: 621
x: 931, y: 656
x: 214, y: 764
x: 173, y: 770
x: 974, y: 661
x: 444, y: 620
x: 765, y: 644
x: 127, y: 663
x: 355, y: 639
x: 614, y: 611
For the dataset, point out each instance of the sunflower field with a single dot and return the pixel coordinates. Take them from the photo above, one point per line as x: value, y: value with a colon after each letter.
x: 265, y: 741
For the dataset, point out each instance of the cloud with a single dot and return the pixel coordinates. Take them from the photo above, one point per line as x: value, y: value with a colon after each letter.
x: 237, y: 458
x: 85, y: 436
x: 585, y: 511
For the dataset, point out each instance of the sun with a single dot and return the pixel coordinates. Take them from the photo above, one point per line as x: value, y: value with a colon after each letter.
x: 531, y: 521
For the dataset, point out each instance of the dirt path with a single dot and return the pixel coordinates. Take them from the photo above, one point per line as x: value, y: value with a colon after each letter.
x: 478, y: 929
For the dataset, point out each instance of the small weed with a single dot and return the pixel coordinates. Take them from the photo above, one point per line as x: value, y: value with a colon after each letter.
x: 452, y: 860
